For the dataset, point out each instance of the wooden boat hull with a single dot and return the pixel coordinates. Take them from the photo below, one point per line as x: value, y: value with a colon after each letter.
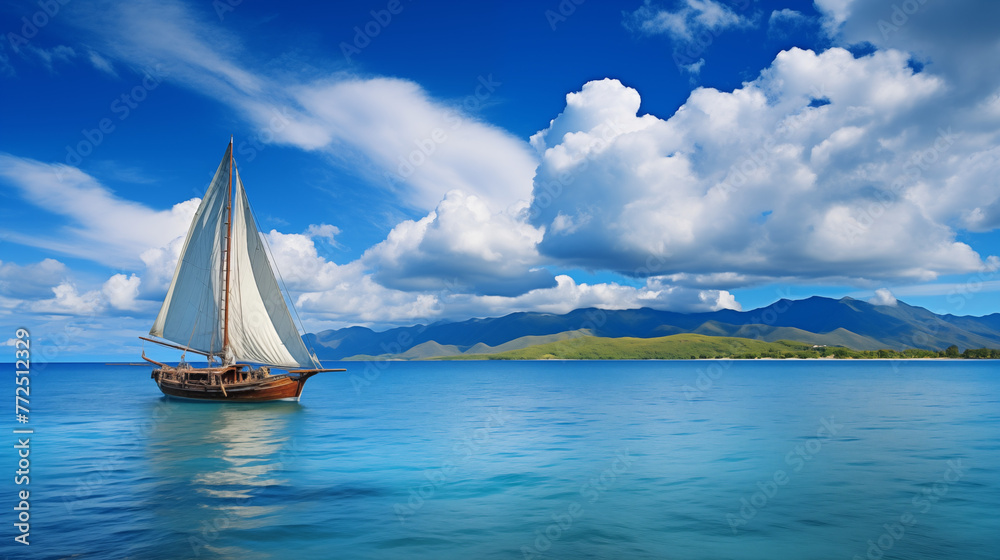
x: 269, y: 388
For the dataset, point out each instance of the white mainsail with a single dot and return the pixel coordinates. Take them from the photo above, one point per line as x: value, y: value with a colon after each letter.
x: 261, y: 329
x: 191, y: 312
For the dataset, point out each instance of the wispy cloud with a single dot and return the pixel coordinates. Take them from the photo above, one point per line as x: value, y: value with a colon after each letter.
x: 781, y: 22
x: 99, y: 226
x: 411, y: 144
x: 692, y: 27
x: 31, y: 280
x: 101, y: 63
x: 146, y: 33
x: 49, y: 57
x: 421, y: 146
x: 685, y: 22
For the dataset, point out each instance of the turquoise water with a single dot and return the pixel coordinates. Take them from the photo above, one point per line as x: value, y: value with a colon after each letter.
x: 681, y: 460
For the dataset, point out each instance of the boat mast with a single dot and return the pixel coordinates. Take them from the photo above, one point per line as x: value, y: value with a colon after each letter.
x: 229, y: 244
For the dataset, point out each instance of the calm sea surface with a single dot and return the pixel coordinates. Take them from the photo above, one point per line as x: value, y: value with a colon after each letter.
x: 617, y: 460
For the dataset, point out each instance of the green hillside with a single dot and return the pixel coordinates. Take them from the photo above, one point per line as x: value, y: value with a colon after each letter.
x: 678, y: 346
x: 681, y: 346
x: 432, y: 349
x: 836, y: 337
x: 527, y: 342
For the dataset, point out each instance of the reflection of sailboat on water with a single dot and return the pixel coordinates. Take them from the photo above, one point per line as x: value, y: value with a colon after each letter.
x: 224, y: 302
x: 251, y: 459
x: 213, y: 480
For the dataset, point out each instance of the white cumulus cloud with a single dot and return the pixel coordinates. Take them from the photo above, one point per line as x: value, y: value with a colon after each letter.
x: 461, y: 246
x: 762, y: 181
x: 883, y: 297
x: 121, y: 291
x: 67, y: 300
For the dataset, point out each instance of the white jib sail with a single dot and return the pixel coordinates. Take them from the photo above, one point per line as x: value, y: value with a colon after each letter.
x: 261, y: 328
x: 190, y: 314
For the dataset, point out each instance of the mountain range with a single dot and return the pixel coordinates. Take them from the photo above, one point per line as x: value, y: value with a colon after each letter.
x: 817, y: 320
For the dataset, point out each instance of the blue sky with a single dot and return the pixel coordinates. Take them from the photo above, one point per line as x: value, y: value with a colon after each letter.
x: 413, y: 161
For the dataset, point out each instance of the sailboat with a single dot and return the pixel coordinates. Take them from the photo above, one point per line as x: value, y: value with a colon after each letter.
x: 224, y: 303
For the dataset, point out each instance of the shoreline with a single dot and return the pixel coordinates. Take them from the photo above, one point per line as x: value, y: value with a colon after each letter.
x: 824, y: 359
x: 445, y: 359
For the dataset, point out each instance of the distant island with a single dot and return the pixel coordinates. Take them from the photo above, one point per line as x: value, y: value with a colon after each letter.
x: 701, y: 347
x: 815, y: 327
